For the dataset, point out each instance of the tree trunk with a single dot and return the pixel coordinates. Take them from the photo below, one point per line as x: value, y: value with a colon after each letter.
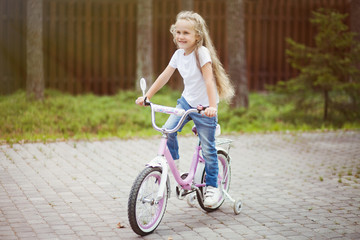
x: 144, y: 64
x: 235, y: 27
x: 34, y: 50
x: 354, y: 17
x: 326, y: 104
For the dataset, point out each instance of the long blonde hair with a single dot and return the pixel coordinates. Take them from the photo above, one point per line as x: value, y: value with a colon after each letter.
x: 223, y: 83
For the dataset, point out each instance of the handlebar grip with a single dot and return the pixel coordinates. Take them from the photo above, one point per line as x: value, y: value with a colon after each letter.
x: 146, y: 103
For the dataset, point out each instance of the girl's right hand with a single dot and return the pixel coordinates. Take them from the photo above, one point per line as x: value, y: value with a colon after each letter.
x: 140, y: 101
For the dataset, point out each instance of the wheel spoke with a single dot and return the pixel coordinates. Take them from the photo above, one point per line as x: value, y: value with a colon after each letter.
x: 223, y: 182
x: 147, y: 210
x: 144, y: 212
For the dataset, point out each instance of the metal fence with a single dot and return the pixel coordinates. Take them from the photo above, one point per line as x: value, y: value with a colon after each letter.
x: 90, y: 46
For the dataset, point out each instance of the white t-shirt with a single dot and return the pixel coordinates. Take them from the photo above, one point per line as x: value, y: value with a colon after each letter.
x: 194, y: 84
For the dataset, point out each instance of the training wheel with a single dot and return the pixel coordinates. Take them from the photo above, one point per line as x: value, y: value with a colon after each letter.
x: 191, y: 198
x: 237, y: 206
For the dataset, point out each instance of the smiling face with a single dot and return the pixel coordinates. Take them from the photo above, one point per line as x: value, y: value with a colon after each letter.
x: 185, y: 35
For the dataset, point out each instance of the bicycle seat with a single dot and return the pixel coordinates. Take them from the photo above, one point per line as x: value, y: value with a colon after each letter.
x: 217, y: 131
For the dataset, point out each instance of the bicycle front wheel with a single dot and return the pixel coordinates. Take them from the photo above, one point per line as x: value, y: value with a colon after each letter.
x: 144, y: 213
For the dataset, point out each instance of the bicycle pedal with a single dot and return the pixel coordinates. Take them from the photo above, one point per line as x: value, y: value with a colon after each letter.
x: 181, y: 193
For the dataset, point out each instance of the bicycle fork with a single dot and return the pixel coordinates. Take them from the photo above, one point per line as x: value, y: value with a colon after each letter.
x: 160, y: 161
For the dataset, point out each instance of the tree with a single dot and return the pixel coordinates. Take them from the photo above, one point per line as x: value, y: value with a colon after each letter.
x: 144, y: 66
x: 327, y: 70
x: 235, y: 28
x: 34, y: 50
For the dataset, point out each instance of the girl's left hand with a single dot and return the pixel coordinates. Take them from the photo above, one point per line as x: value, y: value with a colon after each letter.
x: 210, y: 112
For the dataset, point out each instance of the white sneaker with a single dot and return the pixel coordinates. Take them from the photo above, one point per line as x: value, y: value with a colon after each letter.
x: 212, y: 196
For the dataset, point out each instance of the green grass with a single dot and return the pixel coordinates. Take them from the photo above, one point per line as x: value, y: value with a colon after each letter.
x: 62, y: 116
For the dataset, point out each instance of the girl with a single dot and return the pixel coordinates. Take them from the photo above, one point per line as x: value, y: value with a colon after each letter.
x: 204, y: 82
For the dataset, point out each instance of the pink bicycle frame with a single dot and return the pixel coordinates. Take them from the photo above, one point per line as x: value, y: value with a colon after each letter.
x: 164, y: 153
x: 187, y: 182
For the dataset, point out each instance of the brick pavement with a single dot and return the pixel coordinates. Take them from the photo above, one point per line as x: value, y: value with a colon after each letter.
x: 293, y: 186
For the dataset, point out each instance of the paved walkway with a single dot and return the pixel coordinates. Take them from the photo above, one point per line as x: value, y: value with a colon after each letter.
x: 293, y: 186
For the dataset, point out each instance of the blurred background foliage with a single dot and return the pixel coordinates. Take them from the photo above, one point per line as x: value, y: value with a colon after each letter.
x: 63, y: 116
x: 324, y: 95
x: 329, y: 74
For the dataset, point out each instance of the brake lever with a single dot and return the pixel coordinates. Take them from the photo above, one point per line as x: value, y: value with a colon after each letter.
x: 201, y: 109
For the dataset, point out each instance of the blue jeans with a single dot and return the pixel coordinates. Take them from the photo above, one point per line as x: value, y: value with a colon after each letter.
x: 206, y: 130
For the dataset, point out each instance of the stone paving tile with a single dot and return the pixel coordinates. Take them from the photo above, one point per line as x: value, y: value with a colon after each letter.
x: 293, y: 186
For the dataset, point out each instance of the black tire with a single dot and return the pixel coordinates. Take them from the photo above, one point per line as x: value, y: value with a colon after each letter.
x: 141, y: 224
x: 224, y: 171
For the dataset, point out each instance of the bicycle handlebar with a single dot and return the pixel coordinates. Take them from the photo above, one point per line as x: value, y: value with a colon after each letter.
x: 170, y: 110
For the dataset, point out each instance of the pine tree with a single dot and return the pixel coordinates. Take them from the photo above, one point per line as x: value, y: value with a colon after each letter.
x: 328, y: 69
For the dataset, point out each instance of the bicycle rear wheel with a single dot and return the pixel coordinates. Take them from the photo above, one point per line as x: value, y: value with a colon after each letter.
x: 224, y: 178
x: 144, y: 213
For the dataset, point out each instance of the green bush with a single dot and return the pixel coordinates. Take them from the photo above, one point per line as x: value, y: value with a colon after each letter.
x: 62, y: 116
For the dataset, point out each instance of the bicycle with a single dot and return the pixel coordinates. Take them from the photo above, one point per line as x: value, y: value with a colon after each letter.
x: 151, y: 189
